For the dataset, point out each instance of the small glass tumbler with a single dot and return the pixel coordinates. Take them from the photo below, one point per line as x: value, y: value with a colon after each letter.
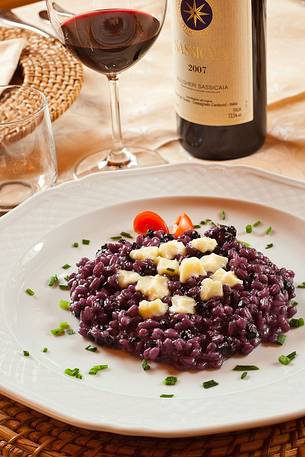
x: 27, y: 148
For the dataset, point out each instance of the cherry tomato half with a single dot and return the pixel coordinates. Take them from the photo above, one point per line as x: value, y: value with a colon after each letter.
x: 148, y: 220
x: 183, y: 224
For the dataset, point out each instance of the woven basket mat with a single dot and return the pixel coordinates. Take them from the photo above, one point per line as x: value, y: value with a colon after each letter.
x: 25, y: 433
x: 46, y: 65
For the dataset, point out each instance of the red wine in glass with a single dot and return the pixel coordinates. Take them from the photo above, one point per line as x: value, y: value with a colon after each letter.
x: 111, y: 40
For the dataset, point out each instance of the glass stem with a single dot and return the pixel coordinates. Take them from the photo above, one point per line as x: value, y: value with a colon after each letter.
x: 118, y: 156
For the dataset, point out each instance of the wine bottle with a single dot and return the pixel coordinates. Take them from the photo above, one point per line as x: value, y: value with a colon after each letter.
x: 220, y: 76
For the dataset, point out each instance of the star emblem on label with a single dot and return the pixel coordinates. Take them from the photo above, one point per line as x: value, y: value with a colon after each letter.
x: 197, y: 15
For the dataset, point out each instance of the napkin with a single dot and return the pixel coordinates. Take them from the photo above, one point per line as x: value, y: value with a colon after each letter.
x: 10, y: 51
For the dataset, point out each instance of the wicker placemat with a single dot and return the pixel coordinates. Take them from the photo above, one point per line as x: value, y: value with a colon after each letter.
x: 24, y: 433
x: 46, y: 65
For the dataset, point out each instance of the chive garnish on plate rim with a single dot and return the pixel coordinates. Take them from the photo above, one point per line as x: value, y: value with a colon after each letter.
x: 301, y: 286
x: 45, y: 349
x: 167, y: 395
x: 286, y: 359
x: 91, y: 348
x: 75, y: 244
x: 209, y: 384
x: 96, y: 368
x: 64, y: 304
x: 85, y: 242
x: 245, y: 368
x: 244, y: 375
x: 26, y: 353
x: 145, y: 365
x: 296, y: 322
x: 257, y: 223
x: 126, y: 235
x: 66, y: 266
x: 30, y: 292
x: 249, y: 228
x: 269, y: 246
x: 116, y: 237
x: 197, y: 226
x: 269, y: 231
x: 64, y: 287
x: 53, y: 281
x: 281, y: 338
x: 222, y: 215
x: 170, y: 380
x: 74, y: 372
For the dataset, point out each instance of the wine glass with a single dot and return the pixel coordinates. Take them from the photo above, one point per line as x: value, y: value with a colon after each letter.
x: 110, y: 36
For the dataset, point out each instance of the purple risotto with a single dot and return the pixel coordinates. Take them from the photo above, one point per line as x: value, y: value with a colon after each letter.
x: 191, y: 302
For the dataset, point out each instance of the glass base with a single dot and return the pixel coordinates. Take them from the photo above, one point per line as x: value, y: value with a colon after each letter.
x: 137, y: 157
x: 12, y: 193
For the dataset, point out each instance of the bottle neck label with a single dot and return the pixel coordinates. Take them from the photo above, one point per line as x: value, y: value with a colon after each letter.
x: 213, y: 52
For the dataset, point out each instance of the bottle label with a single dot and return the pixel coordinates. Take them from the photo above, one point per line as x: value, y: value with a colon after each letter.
x: 214, y: 61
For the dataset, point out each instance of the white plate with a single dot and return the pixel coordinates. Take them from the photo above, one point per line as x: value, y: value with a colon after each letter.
x: 35, y: 241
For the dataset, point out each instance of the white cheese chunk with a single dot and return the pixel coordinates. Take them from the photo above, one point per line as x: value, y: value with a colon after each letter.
x: 210, y: 289
x: 153, y: 286
x: 148, y: 309
x: 228, y: 278
x: 204, y: 244
x: 213, y: 262
x: 168, y: 267
x: 125, y: 278
x: 149, y: 252
x: 182, y: 305
x: 191, y: 267
x: 172, y: 248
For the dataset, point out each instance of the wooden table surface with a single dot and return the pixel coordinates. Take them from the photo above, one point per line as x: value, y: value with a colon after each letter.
x: 147, y: 100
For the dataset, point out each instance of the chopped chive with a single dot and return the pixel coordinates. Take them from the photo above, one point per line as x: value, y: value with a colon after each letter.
x: 197, y: 226
x: 244, y: 244
x: 209, y: 384
x: 296, y: 323
x: 64, y: 287
x: 294, y: 303
x: 249, y: 228
x: 286, y: 359
x: 281, y: 338
x: 26, y: 353
x: 94, y: 370
x: 171, y: 270
x: 70, y: 331
x: 44, y: 349
x: 66, y: 266
x: 86, y: 242
x: 269, y: 231
x: 64, y: 325
x: 53, y: 281
x: 301, y: 286
x: 245, y: 368
x: 116, y: 238
x: 292, y: 355
x: 30, y: 292
x: 257, y: 223
x: 145, y: 365
x: 170, y: 380
x: 75, y: 244
x: 167, y: 395
x: 57, y: 331
x: 269, y: 246
x: 74, y: 372
x: 91, y: 348
x: 67, y: 278
x: 64, y: 304
x: 244, y: 375
x: 222, y: 215
x: 126, y: 235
